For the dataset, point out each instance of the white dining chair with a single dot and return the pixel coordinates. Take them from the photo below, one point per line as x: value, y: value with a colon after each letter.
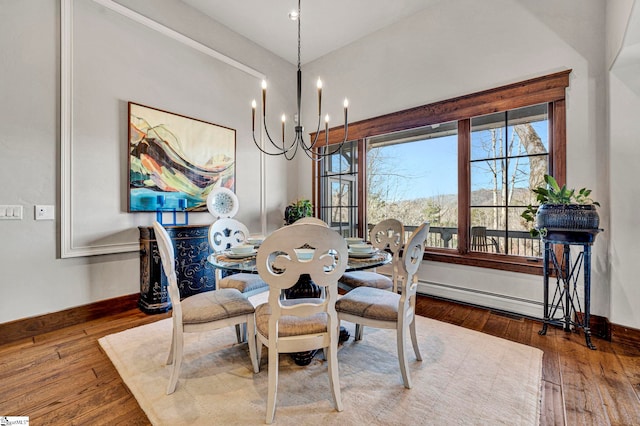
x: 224, y: 234
x: 298, y: 325
x: 201, y: 312
x: 386, y: 235
x: 379, y: 308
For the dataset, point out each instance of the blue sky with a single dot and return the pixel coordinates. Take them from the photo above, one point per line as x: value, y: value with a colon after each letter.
x: 432, y: 166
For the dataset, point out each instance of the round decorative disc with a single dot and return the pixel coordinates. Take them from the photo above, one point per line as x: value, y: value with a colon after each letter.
x: 222, y: 202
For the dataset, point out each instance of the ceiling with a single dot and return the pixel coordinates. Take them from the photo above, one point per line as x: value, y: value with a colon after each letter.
x: 326, y: 25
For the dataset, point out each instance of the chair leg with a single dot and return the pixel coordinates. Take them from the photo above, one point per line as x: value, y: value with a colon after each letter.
x: 251, y: 339
x: 334, y: 380
x: 402, y: 354
x: 358, y: 335
x: 241, y: 333
x: 258, y: 350
x: 177, y: 362
x: 414, y: 338
x: 273, y: 384
x: 171, y: 348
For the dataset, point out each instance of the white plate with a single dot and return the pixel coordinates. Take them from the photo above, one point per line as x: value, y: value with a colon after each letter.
x: 240, y: 255
x: 222, y: 202
x: 358, y: 255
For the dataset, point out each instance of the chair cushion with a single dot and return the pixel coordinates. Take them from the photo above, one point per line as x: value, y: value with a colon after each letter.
x: 215, y: 305
x: 243, y: 282
x: 368, y: 302
x: 290, y: 325
x: 366, y: 278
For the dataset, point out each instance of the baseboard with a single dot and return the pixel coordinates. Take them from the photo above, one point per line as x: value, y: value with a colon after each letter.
x: 625, y: 335
x: 486, y: 299
x: 599, y: 326
x: 29, y: 327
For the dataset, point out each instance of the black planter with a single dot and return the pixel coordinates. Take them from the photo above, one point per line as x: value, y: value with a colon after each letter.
x: 567, y: 216
x: 291, y: 214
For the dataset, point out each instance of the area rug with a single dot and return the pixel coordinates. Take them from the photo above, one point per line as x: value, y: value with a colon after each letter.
x: 465, y: 378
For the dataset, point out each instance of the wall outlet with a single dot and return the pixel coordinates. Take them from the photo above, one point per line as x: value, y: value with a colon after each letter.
x: 45, y: 212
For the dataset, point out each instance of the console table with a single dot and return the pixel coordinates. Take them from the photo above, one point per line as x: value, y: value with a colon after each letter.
x: 565, y: 305
x: 194, y: 272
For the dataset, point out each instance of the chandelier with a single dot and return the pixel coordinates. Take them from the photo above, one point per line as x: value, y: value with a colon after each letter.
x: 289, y: 150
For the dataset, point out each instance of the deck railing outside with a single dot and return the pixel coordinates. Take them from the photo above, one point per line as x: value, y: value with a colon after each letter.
x: 519, y: 243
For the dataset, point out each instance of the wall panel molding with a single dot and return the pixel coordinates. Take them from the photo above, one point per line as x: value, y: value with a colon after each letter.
x: 69, y: 248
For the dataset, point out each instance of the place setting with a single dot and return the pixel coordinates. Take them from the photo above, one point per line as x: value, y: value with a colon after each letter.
x: 241, y: 251
x: 359, y: 249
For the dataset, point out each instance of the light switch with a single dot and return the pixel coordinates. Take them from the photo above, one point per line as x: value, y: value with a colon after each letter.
x: 17, y: 212
x: 11, y: 212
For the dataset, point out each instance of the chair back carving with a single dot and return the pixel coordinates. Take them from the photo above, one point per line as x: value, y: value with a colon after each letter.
x: 280, y: 266
x: 409, y: 262
x: 388, y: 234
x: 227, y: 232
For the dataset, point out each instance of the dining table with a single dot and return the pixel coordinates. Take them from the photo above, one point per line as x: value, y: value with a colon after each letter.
x: 230, y: 262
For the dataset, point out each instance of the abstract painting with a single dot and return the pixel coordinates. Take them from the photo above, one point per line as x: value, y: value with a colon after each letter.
x: 175, y: 161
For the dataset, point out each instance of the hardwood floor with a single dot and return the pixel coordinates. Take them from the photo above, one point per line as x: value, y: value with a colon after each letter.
x: 64, y: 378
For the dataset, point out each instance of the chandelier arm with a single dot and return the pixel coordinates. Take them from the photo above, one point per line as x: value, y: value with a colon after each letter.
x: 295, y: 149
x: 315, y: 139
x: 319, y: 156
x: 280, y: 151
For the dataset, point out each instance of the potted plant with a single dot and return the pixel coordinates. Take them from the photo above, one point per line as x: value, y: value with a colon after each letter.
x: 296, y: 210
x: 561, y: 208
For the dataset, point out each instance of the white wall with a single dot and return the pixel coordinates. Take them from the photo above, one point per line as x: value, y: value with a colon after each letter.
x: 624, y: 104
x: 465, y: 46
x: 116, y: 61
x: 625, y: 203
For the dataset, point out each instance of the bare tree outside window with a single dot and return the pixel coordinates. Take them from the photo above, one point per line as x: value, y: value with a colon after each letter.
x: 412, y: 177
x: 509, y: 157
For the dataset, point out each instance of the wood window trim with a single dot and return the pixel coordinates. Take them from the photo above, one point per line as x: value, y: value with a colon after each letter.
x: 549, y: 89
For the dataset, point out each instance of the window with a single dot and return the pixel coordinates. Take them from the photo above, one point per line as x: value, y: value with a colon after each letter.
x: 509, y: 155
x: 413, y: 176
x: 466, y: 165
x: 339, y: 188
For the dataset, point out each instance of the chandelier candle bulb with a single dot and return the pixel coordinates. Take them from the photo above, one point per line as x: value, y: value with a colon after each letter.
x: 346, y: 107
x: 326, y: 128
x: 284, y: 118
x: 264, y: 98
x: 319, y: 97
x: 253, y: 115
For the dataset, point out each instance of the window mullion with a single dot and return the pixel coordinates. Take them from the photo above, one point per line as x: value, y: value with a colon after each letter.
x: 361, y: 189
x: 464, y: 184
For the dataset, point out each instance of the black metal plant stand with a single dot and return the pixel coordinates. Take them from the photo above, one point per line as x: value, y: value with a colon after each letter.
x: 565, y: 304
